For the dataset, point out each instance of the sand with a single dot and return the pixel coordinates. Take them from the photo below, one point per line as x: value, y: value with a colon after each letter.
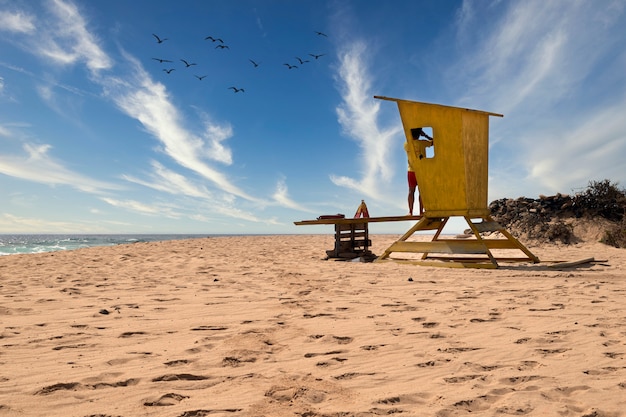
x: 263, y: 326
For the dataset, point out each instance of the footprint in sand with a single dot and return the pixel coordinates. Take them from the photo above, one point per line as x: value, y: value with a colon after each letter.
x: 515, y: 380
x: 525, y: 365
x: 343, y: 340
x: 547, y: 352
x: 482, y: 403
x: 372, y: 347
x: 67, y: 386
x: 390, y: 400
x: 177, y: 362
x: 332, y: 352
x: 483, y: 368
x: 76, y: 386
x: 515, y: 410
x: 210, y: 328
x: 463, y: 378
x: 205, y: 413
x: 327, y: 363
x: 289, y: 394
x: 166, y: 400
x: 352, y: 375
x: 235, y: 362
x: 180, y: 377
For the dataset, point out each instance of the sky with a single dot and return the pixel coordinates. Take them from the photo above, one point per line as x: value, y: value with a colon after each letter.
x: 105, y: 129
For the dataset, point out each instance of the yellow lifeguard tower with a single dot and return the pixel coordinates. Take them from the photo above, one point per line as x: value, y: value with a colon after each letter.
x: 452, y: 177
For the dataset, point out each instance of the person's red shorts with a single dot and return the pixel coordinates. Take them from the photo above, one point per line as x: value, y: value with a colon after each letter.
x: 411, y: 178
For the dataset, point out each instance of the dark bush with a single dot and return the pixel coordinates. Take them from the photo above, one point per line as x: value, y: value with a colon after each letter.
x: 616, y: 235
x: 601, y: 199
x: 543, y: 218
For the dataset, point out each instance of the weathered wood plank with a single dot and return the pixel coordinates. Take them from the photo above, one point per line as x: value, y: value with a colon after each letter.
x: 487, y: 265
x: 571, y: 263
x: 488, y: 226
x: 441, y: 246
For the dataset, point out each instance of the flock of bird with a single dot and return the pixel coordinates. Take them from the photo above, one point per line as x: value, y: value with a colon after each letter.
x: 221, y: 45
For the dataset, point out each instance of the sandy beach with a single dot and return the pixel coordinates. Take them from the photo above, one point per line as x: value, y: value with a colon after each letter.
x: 264, y: 326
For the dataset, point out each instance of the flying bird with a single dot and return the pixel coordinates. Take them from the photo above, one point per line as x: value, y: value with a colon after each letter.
x: 236, y: 90
x: 212, y: 39
x: 187, y: 64
x: 302, y: 61
x: 159, y: 40
x: 291, y: 66
x: 256, y: 64
x: 320, y: 33
x: 317, y: 56
x: 169, y: 70
x: 222, y: 47
x: 200, y: 77
x: 161, y: 60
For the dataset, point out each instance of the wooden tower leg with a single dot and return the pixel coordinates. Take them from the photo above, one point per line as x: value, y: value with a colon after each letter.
x: 437, y: 233
x: 512, y: 239
x: 480, y: 239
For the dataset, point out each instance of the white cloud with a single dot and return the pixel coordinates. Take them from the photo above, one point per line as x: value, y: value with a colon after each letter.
x: 70, y: 41
x: 551, y: 69
x: 215, y: 134
x: 66, y: 40
x: 166, y: 180
x: 39, y: 167
x: 16, y: 22
x: 10, y: 223
x: 281, y: 196
x: 593, y: 149
x: 148, y: 102
x: 138, y: 207
x: 358, y: 116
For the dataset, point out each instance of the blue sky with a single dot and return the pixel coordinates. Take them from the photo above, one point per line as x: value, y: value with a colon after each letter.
x: 95, y: 137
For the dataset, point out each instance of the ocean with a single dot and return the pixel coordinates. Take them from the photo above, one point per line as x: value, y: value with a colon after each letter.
x: 31, y: 243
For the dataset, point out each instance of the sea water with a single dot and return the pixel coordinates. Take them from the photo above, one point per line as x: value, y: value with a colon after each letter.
x: 31, y: 243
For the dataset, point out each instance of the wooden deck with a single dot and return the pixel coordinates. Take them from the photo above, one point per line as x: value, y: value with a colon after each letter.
x: 348, y: 220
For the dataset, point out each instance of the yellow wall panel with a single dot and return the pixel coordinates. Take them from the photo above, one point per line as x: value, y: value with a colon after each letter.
x: 454, y: 180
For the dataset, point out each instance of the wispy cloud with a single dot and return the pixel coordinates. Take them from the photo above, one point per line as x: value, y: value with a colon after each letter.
x: 10, y: 223
x: 16, y: 22
x: 591, y: 150
x: 38, y: 166
x: 548, y: 67
x: 4, y: 131
x: 148, y: 101
x: 166, y: 180
x: 281, y: 196
x: 215, y: 134
x: 68, y: 40
x: 139, y: 207
x: 358, y: 116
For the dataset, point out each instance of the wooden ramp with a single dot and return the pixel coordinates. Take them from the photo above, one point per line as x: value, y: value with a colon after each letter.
x: 472, y: 252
